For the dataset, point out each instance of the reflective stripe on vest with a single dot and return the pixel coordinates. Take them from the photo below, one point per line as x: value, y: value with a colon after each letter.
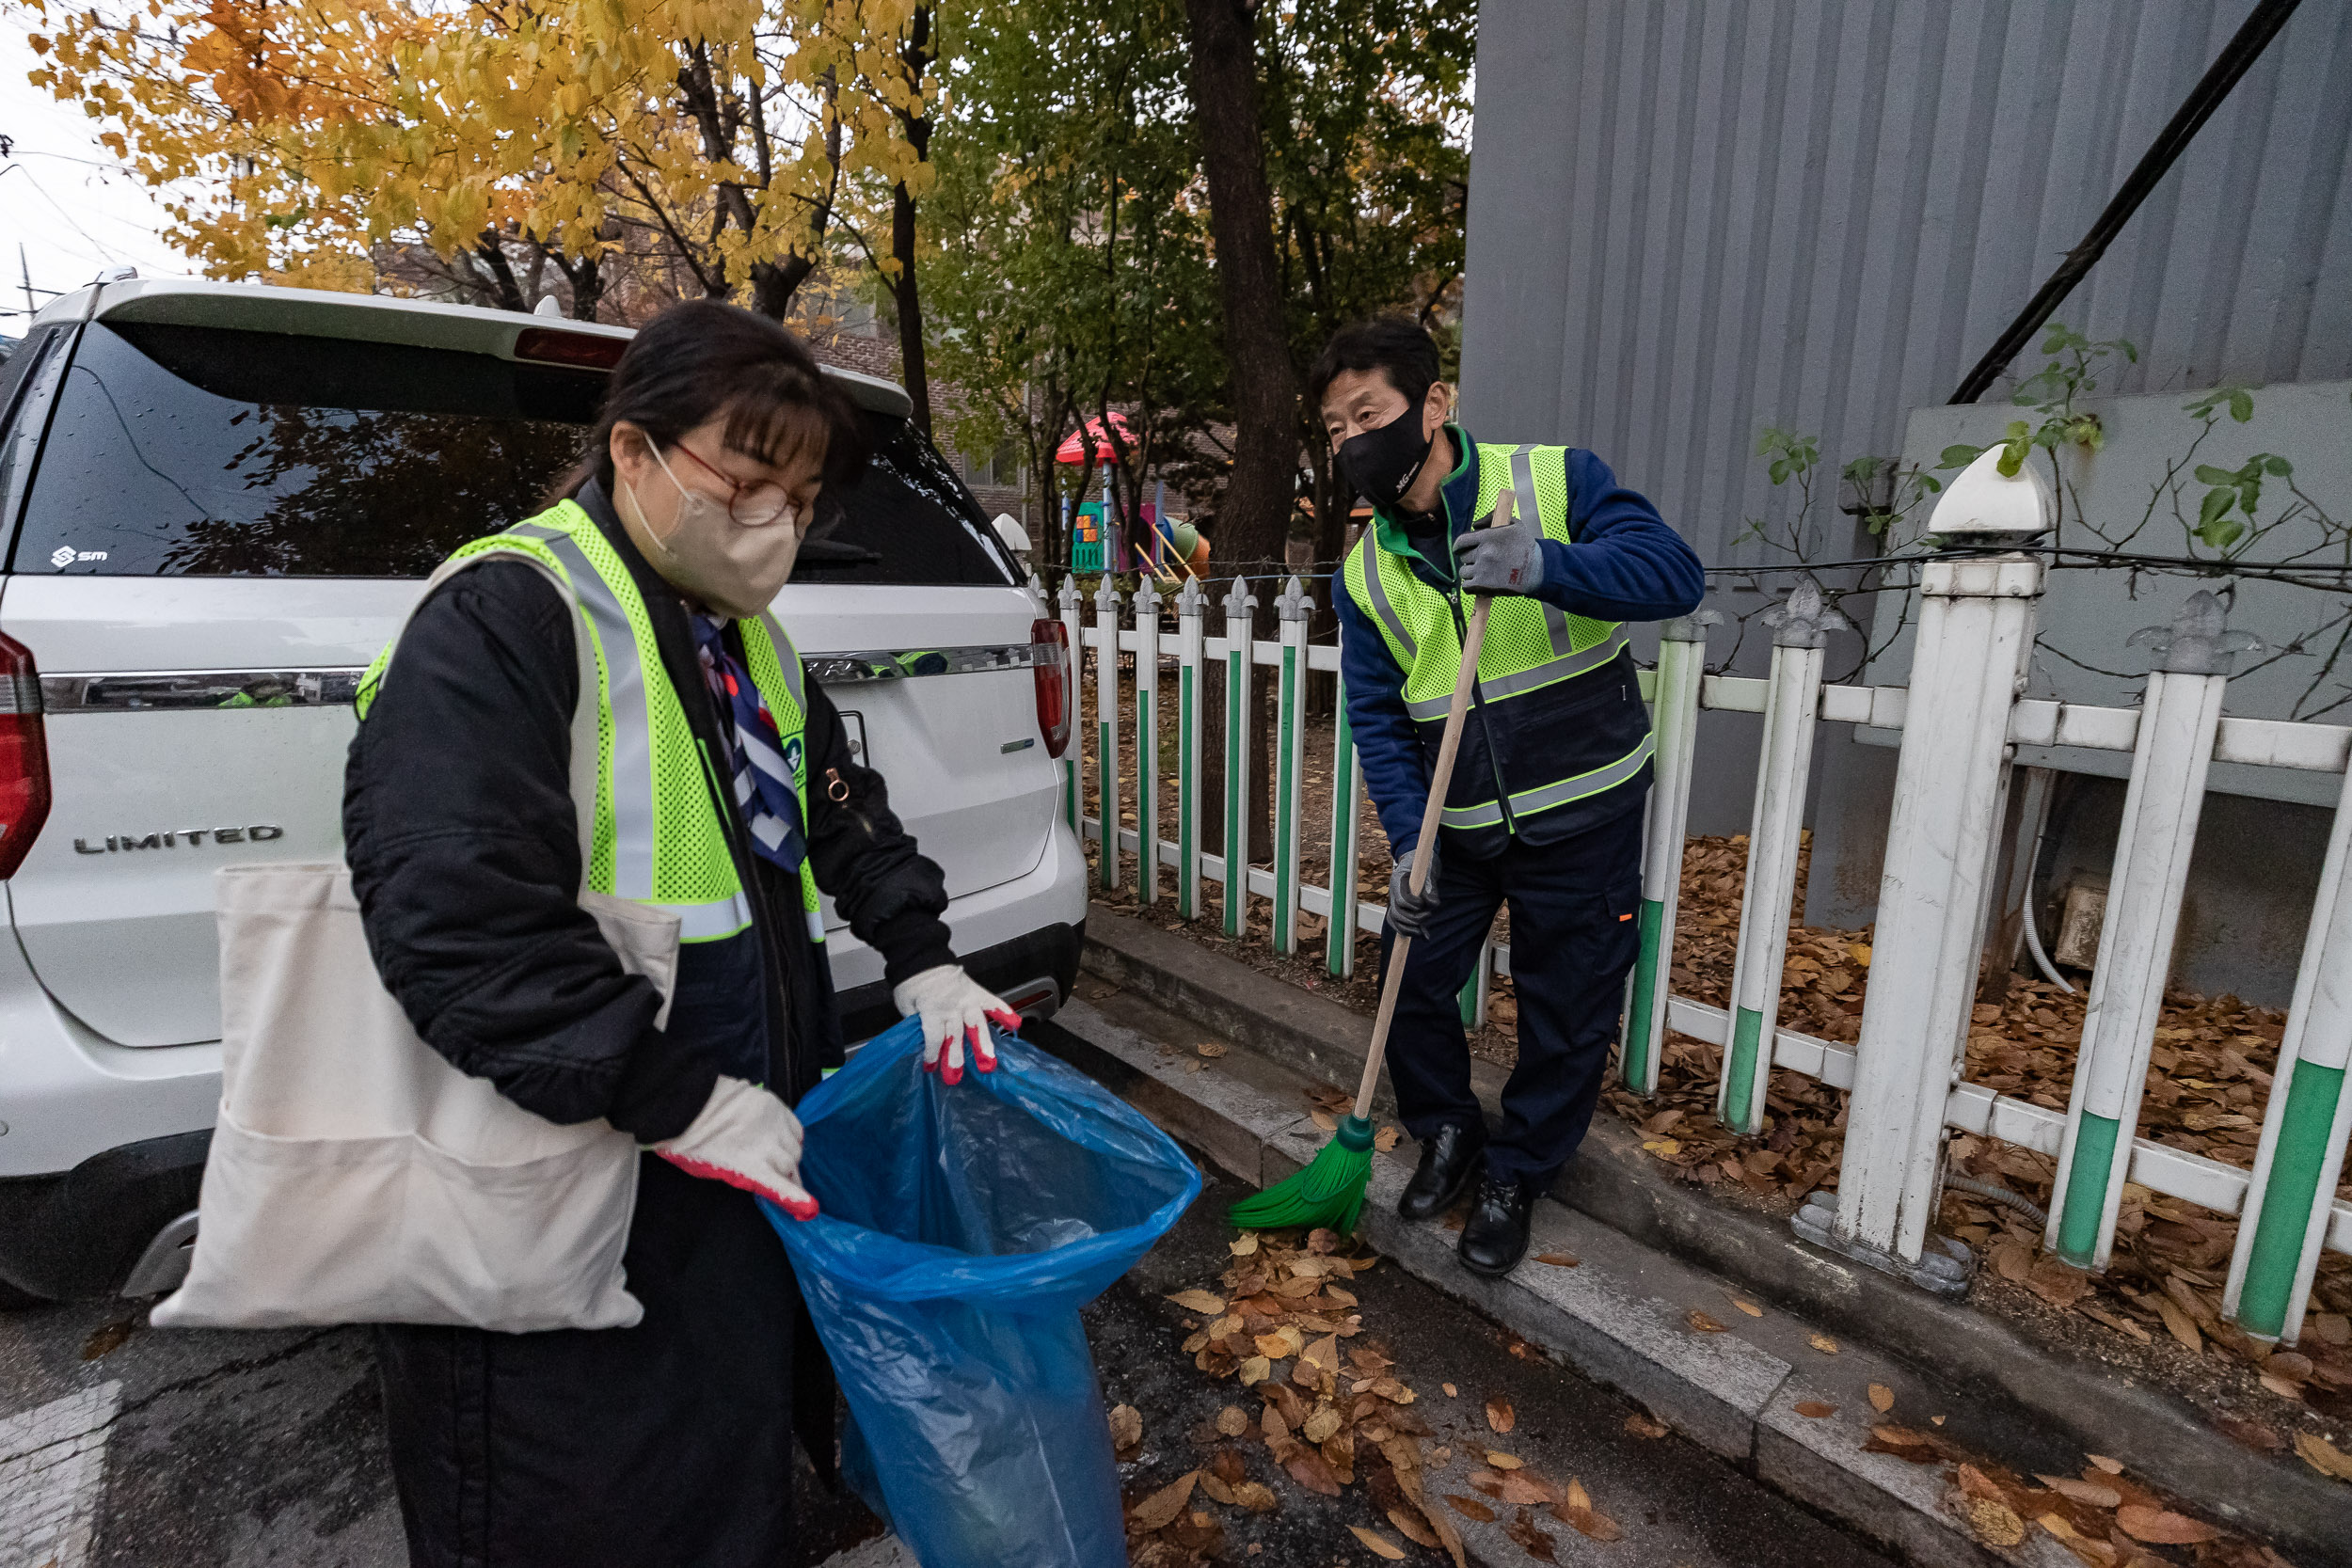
x: 1527, y: 803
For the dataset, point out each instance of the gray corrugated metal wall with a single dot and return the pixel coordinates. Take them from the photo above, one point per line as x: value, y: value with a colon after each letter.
x: 1687, y: 221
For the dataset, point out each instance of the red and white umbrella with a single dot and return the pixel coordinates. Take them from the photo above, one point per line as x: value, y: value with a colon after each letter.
x: 1091, y: 434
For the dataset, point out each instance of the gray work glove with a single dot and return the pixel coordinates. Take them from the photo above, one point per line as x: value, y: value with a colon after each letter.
x: 1408, y: 916
x: 1505, y: 560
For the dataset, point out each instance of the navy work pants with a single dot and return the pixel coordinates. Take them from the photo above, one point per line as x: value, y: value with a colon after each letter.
x: 1574, y: 932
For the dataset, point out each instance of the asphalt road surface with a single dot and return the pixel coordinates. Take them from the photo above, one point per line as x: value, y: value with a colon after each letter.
x: 123, y: 1445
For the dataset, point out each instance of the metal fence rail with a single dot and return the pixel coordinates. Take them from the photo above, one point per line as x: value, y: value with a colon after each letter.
x: 1959, y: 718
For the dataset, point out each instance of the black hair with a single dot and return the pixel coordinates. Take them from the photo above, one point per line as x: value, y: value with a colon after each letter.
x: 701, y: 358
x: 1397, y: 346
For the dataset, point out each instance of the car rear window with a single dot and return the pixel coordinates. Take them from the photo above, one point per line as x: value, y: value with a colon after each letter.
x: 204, y: 451
x: 197, y: 452
x: 909, y: 519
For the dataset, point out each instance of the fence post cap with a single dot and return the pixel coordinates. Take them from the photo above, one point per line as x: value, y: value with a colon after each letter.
x: 2197, y: 643
x: 1146, y: 597
x: 1107, y: 594
x: 1068, y: 597
x: 1191, y: 599
x: 1804, y: 620
x: 1294, y: 603
x: 1986, y: 504
x: 1239, y: 600
x: 1691, y: 628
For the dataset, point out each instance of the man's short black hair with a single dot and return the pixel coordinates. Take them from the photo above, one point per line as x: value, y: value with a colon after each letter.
x: 1396, y: 345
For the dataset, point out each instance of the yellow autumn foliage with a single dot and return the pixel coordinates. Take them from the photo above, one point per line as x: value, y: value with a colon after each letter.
x: 293, y: 137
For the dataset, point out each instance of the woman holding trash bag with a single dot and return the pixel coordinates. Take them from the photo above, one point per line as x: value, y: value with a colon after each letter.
x: 666, y: 1443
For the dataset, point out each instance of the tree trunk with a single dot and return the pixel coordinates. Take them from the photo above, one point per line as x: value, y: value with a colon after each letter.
x: 917, y: 54
x: 1254, y: 519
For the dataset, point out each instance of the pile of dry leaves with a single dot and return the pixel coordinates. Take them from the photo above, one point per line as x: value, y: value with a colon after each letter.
x: 2100, y: 1515
x: 1327, y: 1417
x: 2208, y: 1080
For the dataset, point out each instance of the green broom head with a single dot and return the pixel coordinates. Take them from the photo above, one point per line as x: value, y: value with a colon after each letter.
x: 1327, y: 1195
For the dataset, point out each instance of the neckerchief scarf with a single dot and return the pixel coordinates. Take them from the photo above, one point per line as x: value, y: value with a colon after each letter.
x: 763, y: 766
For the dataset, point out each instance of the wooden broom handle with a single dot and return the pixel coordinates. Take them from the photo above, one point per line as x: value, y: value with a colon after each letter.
x: 1432, y: 816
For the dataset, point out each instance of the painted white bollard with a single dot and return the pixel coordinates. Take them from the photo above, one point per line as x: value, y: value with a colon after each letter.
x: 1191, y: 609
x: 1976, y: 630
x: 1293, y: 606
x: 1674, y: 720
x: 1347, y: 794
x: 2178, y: 721
x: 1240, y: 628
x: 1147, y: 605
x: 1074, y: 758
x: 1775, y: 833
x: 2301, y: 1155
x: 1106, y: 726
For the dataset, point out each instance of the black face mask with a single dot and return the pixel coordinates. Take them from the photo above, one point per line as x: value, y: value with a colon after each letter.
x: 1382, y: 463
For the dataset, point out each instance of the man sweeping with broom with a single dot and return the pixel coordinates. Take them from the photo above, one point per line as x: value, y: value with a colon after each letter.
x: 1502, y: 738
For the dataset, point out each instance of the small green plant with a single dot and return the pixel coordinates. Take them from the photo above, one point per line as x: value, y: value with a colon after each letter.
x: 2051, y: 392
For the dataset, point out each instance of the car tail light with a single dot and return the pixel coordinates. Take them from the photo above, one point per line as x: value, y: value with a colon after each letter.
x: 24, y: 756
x: 1050, y: 667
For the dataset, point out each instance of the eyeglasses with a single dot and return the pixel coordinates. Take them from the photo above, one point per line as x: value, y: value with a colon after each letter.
x: 748, y: 506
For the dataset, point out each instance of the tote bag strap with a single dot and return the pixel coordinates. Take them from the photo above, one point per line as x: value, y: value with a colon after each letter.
x: 587, y: 743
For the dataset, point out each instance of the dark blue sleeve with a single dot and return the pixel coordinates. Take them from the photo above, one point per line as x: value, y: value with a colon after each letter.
x: 1627, y: 564
x: 1386, y: 743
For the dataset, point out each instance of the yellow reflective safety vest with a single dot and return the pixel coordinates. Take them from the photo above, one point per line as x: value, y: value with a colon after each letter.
x: 1559, y: 716
x: 658, y: 837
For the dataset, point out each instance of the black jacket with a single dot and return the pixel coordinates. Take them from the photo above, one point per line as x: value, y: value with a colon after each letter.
x: 667, y: 1445
x: 458, y: 827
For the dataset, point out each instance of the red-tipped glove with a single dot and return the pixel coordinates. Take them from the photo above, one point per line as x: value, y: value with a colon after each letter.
x: 748, y: 1138
x: 955, y: 1009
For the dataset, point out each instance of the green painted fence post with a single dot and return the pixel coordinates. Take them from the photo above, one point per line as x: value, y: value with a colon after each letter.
x: 1147, y: 603
x: 1348, y: 785
x: 1240, y: 653
x: 1681, y: 672
x: 1191, y: 608
x: 1292, y: 606
x: 1106, y: 725
x: 2290, y: 1203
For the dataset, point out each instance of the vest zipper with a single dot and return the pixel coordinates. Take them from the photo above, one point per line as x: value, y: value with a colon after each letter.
x: 1477, y: 705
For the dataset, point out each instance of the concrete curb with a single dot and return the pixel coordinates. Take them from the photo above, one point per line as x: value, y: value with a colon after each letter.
x: 2037, y: 1405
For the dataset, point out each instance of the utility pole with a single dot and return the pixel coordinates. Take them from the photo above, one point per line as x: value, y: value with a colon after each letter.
x: 26, y: 268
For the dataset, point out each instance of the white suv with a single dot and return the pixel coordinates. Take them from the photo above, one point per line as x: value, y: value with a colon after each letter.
x: 216, y: 502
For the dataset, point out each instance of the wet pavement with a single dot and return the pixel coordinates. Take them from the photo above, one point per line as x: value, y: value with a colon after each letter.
x: 121, y: 1445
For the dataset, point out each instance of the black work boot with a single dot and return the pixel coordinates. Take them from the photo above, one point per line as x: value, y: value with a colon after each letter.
x: 1495, y: 1239
x: 1448, y: 1161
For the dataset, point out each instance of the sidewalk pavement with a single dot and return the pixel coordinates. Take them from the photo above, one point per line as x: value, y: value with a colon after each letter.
x: 1652, y: 1254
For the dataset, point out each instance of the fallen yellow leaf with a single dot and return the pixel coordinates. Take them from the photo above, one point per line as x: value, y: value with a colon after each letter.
x: 1501, y: 1461
x: 2161, y: 1527
x: 1379, y: 1543
x: 1210, y: 1049
x: 1499, y: 1415
x: 1320, y: 1425
x: 1665, y: 1148
x: 1860, y: 953
x: 1387, y: 1138
x: 1748, y: 1307
x: 2323, y: 1456
x: 1198, y: 1301
x: 1449, y: 1388
x: 1254, y: 1372
x: 1126, y: 1426
x: 2112, y: 1466
x: 1243, y: 1246
x: 1702, y: 1323
x: 1558, y: 1260
x: 1255, y: 1495
x: 1160, y: 1509
x: 1233, y: 1421
x: 1823, y: 1343
x: 1882, y: 1398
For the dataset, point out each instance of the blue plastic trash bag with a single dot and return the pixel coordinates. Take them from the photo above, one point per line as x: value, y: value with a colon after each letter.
x: 961, y: 1230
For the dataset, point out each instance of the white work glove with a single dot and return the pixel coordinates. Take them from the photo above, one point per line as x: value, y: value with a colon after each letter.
x: 748, y: 1138
x: 1505, y: 560
x: 955, y: 1008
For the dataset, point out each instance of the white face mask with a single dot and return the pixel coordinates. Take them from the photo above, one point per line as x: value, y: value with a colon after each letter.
x: 709, y: 557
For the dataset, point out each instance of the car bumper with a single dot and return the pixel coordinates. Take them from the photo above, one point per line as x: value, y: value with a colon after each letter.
x: 102, y: 1147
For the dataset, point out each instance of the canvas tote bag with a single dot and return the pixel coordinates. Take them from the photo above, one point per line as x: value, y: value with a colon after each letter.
x: 355, y: 1176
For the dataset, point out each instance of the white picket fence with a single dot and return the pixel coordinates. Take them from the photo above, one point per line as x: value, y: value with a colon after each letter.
x: 1961, y: 718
